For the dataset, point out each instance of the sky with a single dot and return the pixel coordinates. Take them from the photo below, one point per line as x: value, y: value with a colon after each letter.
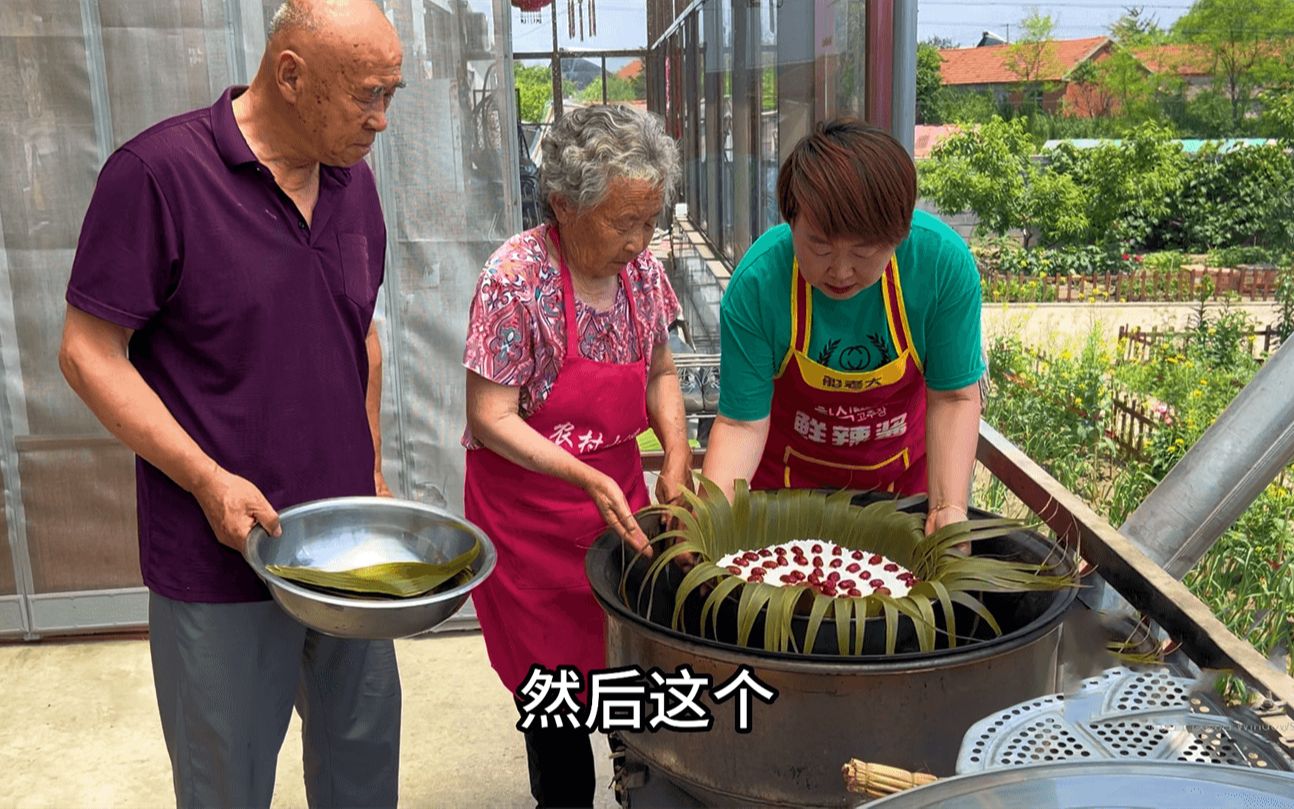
x: 964, y: 21
x: 623, y: 23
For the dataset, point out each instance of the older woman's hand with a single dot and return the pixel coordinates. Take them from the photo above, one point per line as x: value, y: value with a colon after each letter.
x: 672, y: 481
x: 611, y: 503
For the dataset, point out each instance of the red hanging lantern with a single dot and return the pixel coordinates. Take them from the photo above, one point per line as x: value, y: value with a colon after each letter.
x: 530, y: 9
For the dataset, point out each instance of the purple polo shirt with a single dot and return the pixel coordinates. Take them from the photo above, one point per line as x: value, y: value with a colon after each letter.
x: 248, y: 323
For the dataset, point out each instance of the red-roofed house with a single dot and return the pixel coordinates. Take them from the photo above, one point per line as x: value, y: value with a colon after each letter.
x: 928, y: 137
x: 631, y: 71
x: 1193, y: 64
x: 989, y: 69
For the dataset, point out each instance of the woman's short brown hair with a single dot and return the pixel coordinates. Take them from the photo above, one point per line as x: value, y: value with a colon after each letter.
x: 850, y: 179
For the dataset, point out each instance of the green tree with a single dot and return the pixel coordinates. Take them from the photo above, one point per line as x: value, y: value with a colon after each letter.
x: 929, y: 81
x: 1094, y: 101
x: 1130, y: 186
x: 618, y: 89
x: 1136, y: 27
x: 952, y: 105
x: 1137, y: 92
x: 1278, y: 114
x: 1237, y: 197
x: 1132, y: 89
x: 989, y: 170
x: 535, y: 88
x: 1245, y: 40
x: 1032, y: 57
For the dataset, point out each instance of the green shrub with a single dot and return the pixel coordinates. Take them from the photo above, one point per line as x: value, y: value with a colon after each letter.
x: 1164, y: 260
x: 1235, y: 256
x: 1129, y: 186
x: 1241, y: 197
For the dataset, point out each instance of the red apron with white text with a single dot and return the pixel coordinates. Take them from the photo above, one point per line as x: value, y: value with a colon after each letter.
x: 833, y: 429
x: 537, y: 606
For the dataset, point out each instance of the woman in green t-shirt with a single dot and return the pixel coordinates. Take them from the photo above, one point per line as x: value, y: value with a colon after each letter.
x: 851, y: 335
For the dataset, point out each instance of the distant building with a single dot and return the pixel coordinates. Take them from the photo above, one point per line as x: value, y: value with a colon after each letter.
x: 988, y: 69
x: 1192, y: 64
x: 631, y: 71
x: 928, y: 136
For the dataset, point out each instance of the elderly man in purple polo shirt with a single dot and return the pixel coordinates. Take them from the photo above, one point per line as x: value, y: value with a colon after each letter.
x: 219, y: 323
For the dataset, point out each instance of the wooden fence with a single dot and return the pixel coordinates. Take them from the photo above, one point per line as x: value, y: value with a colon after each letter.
x: 1138, y: 345
x: 1129, y: 424
x: 1142, y: 285
x: 1132, y: 420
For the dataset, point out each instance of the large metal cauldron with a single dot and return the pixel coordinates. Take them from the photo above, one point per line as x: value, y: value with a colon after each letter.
x: 908, y: 710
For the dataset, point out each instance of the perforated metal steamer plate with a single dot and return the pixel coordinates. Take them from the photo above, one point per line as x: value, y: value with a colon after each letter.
x: 1121, y: 714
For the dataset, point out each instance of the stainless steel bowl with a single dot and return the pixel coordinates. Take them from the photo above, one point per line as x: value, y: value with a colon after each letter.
x: 349, y: 532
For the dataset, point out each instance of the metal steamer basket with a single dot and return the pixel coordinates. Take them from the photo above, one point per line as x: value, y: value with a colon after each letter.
x: 1123, y: 714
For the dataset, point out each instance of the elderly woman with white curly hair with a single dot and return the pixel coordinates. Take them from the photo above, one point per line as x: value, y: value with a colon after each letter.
x: 567, y: 362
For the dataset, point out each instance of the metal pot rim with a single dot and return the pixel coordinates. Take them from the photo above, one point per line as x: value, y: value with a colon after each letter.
x: 827, y: 664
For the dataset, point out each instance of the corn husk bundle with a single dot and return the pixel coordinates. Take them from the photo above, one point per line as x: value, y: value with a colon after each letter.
x: 879, y: 780
x: 711, y: 526
x: 390, y: 579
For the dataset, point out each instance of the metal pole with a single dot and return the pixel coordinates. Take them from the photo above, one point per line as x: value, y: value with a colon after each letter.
x: 1217, y: 479
x: 556, y: 68
x: 904, y: 112
x: 880, y: 66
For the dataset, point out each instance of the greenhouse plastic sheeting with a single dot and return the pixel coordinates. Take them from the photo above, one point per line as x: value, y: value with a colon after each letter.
x: 87, y: 75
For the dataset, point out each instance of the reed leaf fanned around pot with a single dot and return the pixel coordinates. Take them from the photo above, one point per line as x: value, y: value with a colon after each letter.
x: 709, y: 526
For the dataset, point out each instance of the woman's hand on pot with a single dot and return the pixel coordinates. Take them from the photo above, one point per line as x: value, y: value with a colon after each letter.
x: 670, y: 485
x: 613, y: 507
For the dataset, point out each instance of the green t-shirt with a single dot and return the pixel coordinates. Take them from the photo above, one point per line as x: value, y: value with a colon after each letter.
x: 941, y: 292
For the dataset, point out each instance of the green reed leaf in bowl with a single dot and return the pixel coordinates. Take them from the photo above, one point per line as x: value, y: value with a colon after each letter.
x: 397, y: 579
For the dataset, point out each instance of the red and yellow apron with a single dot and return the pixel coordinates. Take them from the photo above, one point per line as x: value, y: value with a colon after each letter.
x: 833, y: 429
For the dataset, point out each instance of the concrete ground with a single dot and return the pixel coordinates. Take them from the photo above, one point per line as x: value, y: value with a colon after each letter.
x: 81, y: 730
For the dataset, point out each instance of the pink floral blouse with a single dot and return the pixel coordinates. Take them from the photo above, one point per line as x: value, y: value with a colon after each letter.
x: 516, y: 332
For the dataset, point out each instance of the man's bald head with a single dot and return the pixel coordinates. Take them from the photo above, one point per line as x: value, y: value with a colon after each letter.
x: 325, y: 16
x: 290, y: 15
x: 335, y: 65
